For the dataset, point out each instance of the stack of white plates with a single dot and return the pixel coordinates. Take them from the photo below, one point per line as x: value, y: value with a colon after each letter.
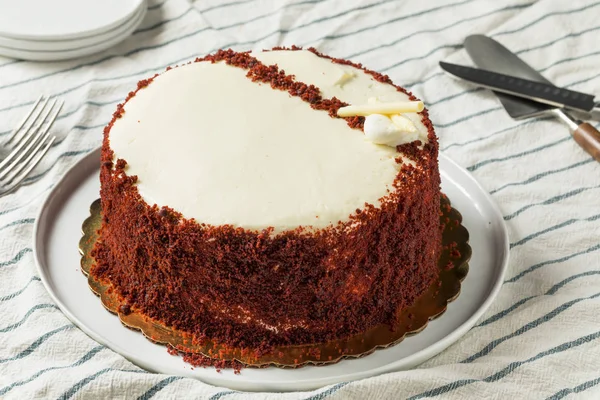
x: 44, y: 30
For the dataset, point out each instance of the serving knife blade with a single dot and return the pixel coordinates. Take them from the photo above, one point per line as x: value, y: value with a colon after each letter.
x: 489, y: 54
x: 525, y: 88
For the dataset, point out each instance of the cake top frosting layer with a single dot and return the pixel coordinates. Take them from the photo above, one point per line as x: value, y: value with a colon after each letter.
x: 207, y: 141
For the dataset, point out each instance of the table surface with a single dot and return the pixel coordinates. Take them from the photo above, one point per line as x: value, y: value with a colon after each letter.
x: 540, y: 339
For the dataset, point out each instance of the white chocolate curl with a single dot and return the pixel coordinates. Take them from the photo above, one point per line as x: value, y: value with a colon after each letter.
x: 365, y: 110
x: 345, y: 76
x: 393, y: 131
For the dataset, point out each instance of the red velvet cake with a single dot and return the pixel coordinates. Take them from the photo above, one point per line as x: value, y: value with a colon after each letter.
x: 269, y: 199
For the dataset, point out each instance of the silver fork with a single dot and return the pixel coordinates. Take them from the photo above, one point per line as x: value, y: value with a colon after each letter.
x: 29, y: 141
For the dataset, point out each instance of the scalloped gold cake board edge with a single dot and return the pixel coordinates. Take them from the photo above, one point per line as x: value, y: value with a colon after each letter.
x: 453, y: 268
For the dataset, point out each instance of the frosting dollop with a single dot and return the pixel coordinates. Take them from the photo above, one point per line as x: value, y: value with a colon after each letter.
x: 390, y: 130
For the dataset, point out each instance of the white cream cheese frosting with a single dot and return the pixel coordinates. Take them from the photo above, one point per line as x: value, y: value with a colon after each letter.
x: 390, y: 130
x: 208, y: 142
x: 359, y: 88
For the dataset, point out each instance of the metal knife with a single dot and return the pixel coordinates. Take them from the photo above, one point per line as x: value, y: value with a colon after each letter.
x: 525, y: 88
x: 491, y: 55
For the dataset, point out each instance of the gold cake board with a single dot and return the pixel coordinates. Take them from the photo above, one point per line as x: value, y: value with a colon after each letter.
x: 453, y: 268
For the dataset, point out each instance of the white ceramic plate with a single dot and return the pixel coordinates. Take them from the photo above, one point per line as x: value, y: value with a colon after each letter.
x: 73, y: 44
x: 34, y: 55
x: 58, y: 229
x: 62, y: 19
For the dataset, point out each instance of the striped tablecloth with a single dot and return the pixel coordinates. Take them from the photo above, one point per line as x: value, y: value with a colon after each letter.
x: 541, y: 337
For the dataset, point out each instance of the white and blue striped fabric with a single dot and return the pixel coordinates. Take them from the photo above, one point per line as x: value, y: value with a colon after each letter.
x: 541, y: 337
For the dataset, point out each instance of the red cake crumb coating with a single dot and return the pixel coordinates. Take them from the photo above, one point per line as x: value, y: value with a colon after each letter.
x: 199, y: 360
x: 256, y: 289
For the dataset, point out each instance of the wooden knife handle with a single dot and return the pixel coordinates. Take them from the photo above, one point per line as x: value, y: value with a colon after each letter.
x: 588, y: 137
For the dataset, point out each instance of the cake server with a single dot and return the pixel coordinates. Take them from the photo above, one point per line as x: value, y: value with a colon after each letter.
x: 492, y: 56
x: 525, y: 88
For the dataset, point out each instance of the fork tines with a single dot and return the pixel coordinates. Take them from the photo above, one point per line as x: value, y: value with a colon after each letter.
x: 29, y: 141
